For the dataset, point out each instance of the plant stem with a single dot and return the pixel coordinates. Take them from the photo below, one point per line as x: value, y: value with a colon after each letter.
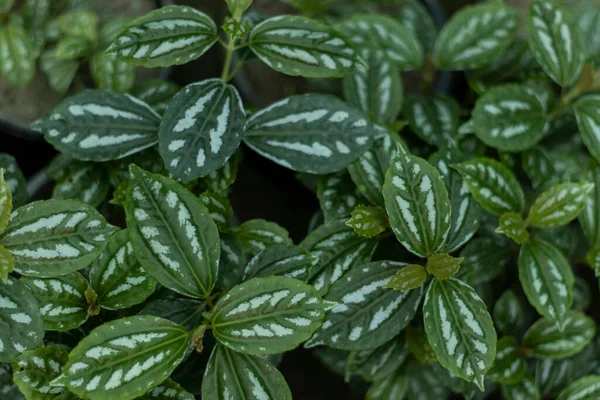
x: 230, y: 48
x: 566, y: 99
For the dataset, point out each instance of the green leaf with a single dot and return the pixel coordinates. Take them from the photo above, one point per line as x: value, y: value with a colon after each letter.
x: 157, y: 93
x: 492, y: 185
x: 377, y: 363
x: 383, y: 33
x: 22, y: 325
x: 110, y: 72
x: 233, y: 375
x: 424, y: 381
x: 546, y: 340
x: 410, y: 277
x: 6, y: 5
x: 460, y: 329
x: 172, y: 234
x: 339, y: 249
x: 62, y: 299
x: 98, y: 125
x: 547, y: 279
x: 220, y: 181
x: 588, y: 16
x: 417, y: 204
x: 300, y: 46
x: 419, y: 346
x: 433, y: 119
x: 538, y: 166
x: 201, y: 129
x: 474, y: 36
x: 34, y: 369
x: 509, y: 367
x: 368, y: 221
x: 585, y: 388
x: 73, y: 47
x: 512, y: 225
x: 589, y: 217
x: 18, y: 61
x: 7, y: 264
x: 375, y: 87
x: 366, y: 315
x: 507, y: 312
x: 168, y: 390
x: 483, y: 260
x: 588, y: 121
x: 286, y: 260
x: 117, y: 276
x: 443, y: 266
x: 237, y: 8
x: 556, y: 41
x: 232, y: 262
x: 414, y: 15
x: 267, y: 315
x: 6, y: 205
x: 124, y: 358
x: 83, y: 181
x: 184, y: 312
x: 60, y: 72
x: 526, y: 389
x: 171, y: 35
x: 256, y: 235
x: 55, y: 237
x: 79, y: 23
x: 559, y: 205
x: 219, y: 209
x: 312, y: 133
x: 390, y: 387
x: 337, y: 195
x: 509, y: 118
x: 15, y: 179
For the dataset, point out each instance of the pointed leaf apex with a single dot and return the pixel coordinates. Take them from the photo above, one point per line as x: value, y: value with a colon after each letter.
x: 58, y: 381
x: 480, y: 381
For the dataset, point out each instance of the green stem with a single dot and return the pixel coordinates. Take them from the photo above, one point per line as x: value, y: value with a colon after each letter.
x: 230, y: 48
x: 566, y: 100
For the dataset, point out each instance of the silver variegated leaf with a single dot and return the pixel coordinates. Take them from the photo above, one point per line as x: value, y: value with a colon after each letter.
x: 201, y: 129
x: 375, y: 87
x: 483, y: 260
x: 588, y: 122
x: 15, y: 179
x: 301, y: 46
x: 99, y: 125
x: 34, y: 369
x: 6, y: 205
x: 424, y: 381
x: 556, y: 41
x: 366, y: 315
x: 588, y: 16
x: 417, y: 204
x: 312, y: 133
x: 509, y: 366
x: 415, y: 16
x: 62, y: 300
x: 474, y: 36
x: 391, y: 387
x: 234, y: 375
x: 433, y: 119
x: 124, y: 358
x: 493, y: 185
x: 220, y: 181
x: 219, y: 208
x: 286, y: 260
x: 167, y: 36
x: 117, y: 276
x: 168, y: 390
x: 55, y: 237
x: 584, y: 388
x: 508, y: 312
x: 22, y: 326
x: 231, y: 263
x: 268, y: 315
x: 509, y: 118
x: 111, y: 73
x: 375, y: 364
x: 172, y: 234
x: 460, y: 329
x: 526, y: 389
x: 546, y: 340
x: 337, y: 195
x: 339, y: 249
x: 256, y: 235
x: 17, y: 65
x: 547, y: 279
x: 184, y: 312
x: 538, y: 166
x: 83, y: 181
x: 559, y: 205
x: 377, y: 31
x: 589, y: 217
x: 157, y: 93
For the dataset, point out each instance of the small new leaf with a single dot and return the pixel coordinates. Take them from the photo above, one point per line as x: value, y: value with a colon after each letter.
x: 443, y: 266
x: 513, y: 226
x: 34, y: 369
x: 7, y: 264
x: 409, y: 277
x: 368, y: 221
x: 559, y: 205
x: 13, y: 176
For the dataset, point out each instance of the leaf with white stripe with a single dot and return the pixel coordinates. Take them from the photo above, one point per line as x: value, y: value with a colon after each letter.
x: 256, y: 235
x: 22, y: 326
x: 83, y: 181
x: 62, y: 300
x: 111, y: 73
x: 124, y: 358
x: 414, y: 15
x: 493, y: 185
x: 391, y: 387
x: 375, y: 87
x: 378, y: 31
x: 6, y: 205
x: 584, y: 388
x: 117, y: 276
x: 34, y: 369
x: 508, y: 312
x: 337, y: 195
x: 538, y: 166
x: 375, y: 364
x: 588, y: 16
x: 474, y: 36
x: 547, y: 279
x: 483, y: 260
x: 417, y: 204
x: 410, y: 277
x: 17, y: 64
x: 460, y: 329
x: 559, y: 205
x: 231, y: 263
x: 433, y: 119
x: 509, y: 118
x: 425, y: 380
x: 220, y: 181
x: 219, y: 208
x: 366, y: 315
x: 313, y: 133
x: 182, y: 311
x: 545, y: 340
x: 55, y: 237
x: 172, y: 234
x: 589, y: 217
x: 171, y: 35
x: 368, y: 221
x: 512, y: 225
x: 15, y: 179
x: 232, y: 375
x: 286, y: 260
x: 99, y: 125
x: 268, y: 315
x: 201, y: 129
x: 509, y: 367
x: 7, y: 264
x: 167, y: 390
x: 588, y: 121
x: 556, y: 41
x: 301, y: 46
x: 339, y: 249
x: 527, y: 389
x: 157, y: 93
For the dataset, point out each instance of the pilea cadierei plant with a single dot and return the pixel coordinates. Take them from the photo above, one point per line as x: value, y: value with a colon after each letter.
x: 446, y: 256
